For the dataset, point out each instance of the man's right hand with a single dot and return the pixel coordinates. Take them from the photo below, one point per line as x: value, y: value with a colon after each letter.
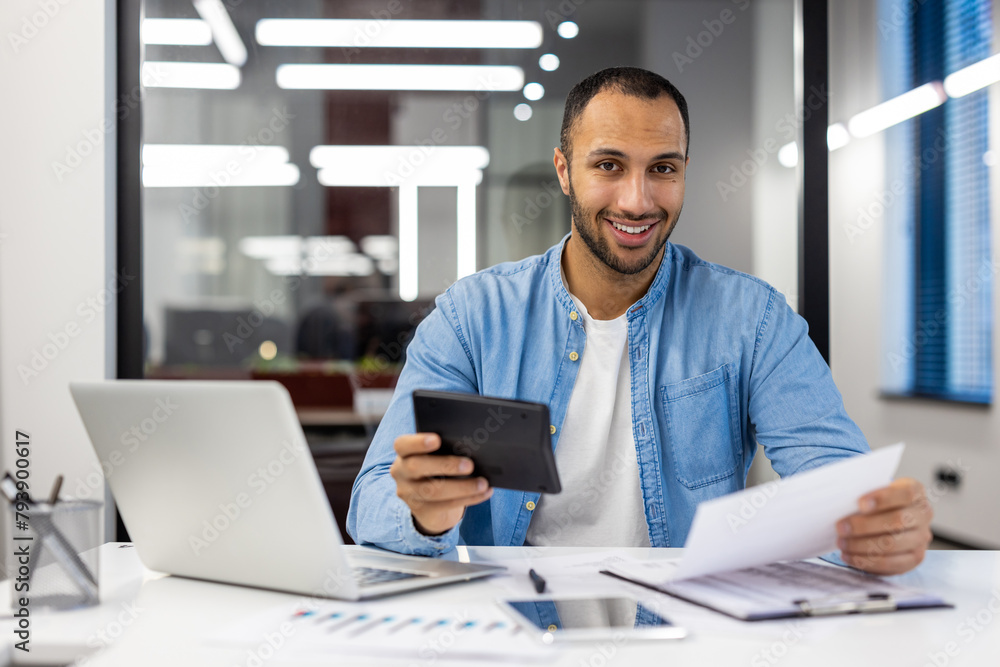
x: 436, y: 504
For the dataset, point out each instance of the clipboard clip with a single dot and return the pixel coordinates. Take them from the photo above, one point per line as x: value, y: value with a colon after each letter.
x: 863, y: 603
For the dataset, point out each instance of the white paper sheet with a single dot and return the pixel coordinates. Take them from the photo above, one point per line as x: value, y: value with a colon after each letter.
x: 789, y: 519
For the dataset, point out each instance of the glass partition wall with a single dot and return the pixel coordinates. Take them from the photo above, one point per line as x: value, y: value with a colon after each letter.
x: 315, y: 172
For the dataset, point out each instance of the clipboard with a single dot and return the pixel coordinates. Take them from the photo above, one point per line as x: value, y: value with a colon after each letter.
x: 793, y: 589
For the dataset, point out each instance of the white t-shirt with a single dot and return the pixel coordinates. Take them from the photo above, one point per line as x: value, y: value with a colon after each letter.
x: 601, y: 500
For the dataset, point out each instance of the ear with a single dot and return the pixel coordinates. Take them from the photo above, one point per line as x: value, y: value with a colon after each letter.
x: 562, y: 170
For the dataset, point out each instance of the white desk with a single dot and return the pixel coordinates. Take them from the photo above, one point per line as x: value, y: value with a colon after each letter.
x: 148, y: 619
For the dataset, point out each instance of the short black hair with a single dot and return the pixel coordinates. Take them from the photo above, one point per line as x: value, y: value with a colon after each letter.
x: 633, y: 81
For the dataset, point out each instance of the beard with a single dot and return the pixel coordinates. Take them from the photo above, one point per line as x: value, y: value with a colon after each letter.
x: 588, y: 226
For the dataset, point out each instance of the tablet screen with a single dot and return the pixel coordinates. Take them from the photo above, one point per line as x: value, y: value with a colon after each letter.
x: 587, y: 614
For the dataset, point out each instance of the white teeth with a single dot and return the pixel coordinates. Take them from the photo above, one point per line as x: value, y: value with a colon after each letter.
x: 631, y: 230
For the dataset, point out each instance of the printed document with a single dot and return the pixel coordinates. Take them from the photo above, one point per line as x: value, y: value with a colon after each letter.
x: 789, y: 519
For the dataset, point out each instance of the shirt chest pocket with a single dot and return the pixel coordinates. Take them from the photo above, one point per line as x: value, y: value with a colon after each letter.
x: 702, y: 426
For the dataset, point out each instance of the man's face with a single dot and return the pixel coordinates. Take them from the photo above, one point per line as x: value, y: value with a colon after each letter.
x: 627, y: 173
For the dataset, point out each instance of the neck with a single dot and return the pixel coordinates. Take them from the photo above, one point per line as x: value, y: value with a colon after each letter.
x: 605, y: 292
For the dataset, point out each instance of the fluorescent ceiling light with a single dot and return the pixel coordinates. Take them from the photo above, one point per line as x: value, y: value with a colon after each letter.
x: 896, y: 110
x: 409, y: 264
x: 266, y: 247
x: 466, y: 233
x: 219, y: 76
x: 276, y: 175
x: 522, y: 111
x: 321, y: 247
x: 837, y: 136
x: 380, y: 246
x: 549, y: 62
x: 973, y: 77
x: 216, y: 155
x: 226, y: 37
x: 568, y: 30
x: 342, y: 265
x: 400, y: 77
x: 408, y: 168
x: 788, y: 155
x: 534, y: 91
x: 176, y: 32
x: 195, y: 166
x: 388, y: 166
x: 399, y: 33
x: 316, y: 247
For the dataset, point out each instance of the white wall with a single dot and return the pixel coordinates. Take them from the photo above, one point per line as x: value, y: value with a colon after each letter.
x: 936, y: 433
x: 774, y: 188
x: 54, y: 232
x: 718, y: 86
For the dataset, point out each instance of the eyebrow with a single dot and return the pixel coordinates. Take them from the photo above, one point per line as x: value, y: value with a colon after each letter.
x: 614, y: 152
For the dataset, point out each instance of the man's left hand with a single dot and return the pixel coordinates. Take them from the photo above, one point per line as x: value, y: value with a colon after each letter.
x: 890, y: 532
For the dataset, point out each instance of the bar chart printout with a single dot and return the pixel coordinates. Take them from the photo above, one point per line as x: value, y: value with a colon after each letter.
x: 426, y: 632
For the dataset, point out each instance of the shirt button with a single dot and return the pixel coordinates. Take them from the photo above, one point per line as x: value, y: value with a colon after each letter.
x: 552, y: 429
x: 573, y: 315
x: 573, y: 356
x: 553, y: 628
x: 530, y: 505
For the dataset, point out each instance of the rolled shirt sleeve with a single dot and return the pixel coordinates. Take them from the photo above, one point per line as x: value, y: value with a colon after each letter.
x: 795, y: 408
x: 438, y: 359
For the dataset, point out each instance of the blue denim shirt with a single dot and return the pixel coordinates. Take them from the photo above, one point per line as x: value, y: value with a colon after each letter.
x: 719, y: 363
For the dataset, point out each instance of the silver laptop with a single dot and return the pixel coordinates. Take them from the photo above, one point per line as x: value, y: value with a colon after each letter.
x: 215, y: 481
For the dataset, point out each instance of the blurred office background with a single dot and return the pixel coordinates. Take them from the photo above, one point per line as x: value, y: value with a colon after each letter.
x: 298, y: 223
x: 314, y: 173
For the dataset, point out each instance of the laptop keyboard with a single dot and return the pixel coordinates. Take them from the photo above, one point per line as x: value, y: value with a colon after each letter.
x: 369, y: 576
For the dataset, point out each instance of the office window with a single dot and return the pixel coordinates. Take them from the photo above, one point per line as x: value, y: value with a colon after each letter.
x: 940, y: 271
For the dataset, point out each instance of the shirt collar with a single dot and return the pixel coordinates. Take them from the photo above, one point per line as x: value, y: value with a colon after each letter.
x: 652, y: 295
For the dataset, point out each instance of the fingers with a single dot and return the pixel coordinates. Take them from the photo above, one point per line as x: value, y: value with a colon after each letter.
x: 437, y: 490
x: 432, y: 485
x: 885, y: 563
x: 416, y: 466
x: 899, y: 493
x: 419, y: 475
x: 438, y: 504
x: 909, y: 540
x: 413, y: 486
x: 416, y: 443
x: 891, y: 532
x: 892, y: 521
x: 892, y: 509
x: 423, y: 505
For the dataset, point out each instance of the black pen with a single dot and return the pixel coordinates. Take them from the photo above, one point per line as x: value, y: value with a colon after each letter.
x: 537, y: 580
x: 56, y: 486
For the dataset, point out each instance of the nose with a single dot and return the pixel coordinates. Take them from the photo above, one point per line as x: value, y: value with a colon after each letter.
x: 636, y: 197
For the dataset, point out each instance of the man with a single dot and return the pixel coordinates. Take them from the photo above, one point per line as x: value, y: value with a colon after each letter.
x: 661, y: 371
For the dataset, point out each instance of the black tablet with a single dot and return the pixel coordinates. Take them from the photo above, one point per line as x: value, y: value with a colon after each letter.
x: 508, y: 441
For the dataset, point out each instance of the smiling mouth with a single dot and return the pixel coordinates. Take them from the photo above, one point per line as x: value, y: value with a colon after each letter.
x: 629, y: 230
